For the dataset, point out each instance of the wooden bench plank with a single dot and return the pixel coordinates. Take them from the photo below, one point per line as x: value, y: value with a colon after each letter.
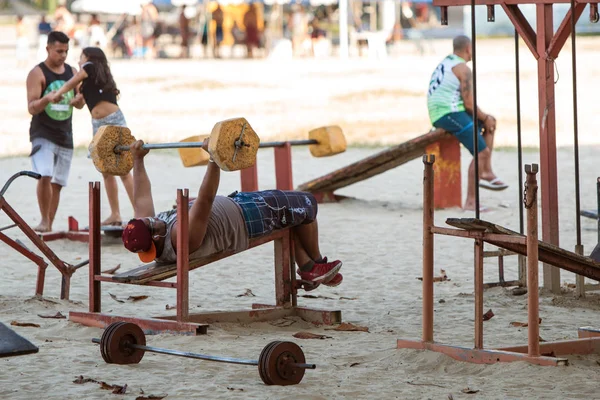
x: 547, y: 253
x: 160, y: 271
x: 375, y: 164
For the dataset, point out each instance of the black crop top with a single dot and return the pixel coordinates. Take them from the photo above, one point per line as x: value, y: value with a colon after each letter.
x: 92, y: 93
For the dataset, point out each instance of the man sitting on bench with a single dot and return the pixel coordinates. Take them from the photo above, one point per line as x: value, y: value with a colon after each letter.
x: 450, y: 103
x: 219, y: 223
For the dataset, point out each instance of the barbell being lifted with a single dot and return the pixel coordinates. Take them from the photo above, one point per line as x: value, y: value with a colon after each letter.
x: 233, y: 145
x: 323, y: 142
x: 280, y: 363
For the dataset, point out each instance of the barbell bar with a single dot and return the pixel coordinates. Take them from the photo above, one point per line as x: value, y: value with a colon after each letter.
x: 324, y: 141
x: 280, y: 363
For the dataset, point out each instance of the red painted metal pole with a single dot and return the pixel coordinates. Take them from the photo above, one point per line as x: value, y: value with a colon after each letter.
x: 183, y: 255
x: 547, y: 121
x: 73, y: 224
x: 532, y: 260
x: 283, y: 167
x: 428, y: 161
x: 249, y: 179
x: 94, y: 247
x: 478, y: 283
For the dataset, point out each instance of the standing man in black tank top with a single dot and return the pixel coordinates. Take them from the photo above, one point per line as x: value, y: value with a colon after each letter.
x: 51, y: 132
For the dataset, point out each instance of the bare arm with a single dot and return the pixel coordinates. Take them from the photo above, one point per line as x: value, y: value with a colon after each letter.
x: 71, y: 84
x: 200, y: 211
x: 465, y: 76
x: 35, y: 83
x: 78, y: 101
x: 143, y: 205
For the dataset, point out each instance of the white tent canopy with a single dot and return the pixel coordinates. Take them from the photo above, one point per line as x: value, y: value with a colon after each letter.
x: 131, y: 7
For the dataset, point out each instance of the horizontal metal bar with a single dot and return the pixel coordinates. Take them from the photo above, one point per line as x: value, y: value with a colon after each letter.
x: 7, y: 227
x: 168, y: 285
x: 150, y: 146
x: 186, y: 354
x: 291, y: 142
x: 184, y: 145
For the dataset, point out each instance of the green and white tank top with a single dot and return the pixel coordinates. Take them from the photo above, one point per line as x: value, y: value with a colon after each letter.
x: 443, y: 96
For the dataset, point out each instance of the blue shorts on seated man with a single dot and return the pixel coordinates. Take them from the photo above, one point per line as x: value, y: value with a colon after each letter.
x: 460, y: 124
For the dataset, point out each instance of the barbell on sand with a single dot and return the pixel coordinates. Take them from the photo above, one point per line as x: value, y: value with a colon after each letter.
x: 233, y: 145
x: 280, y: 363
x: 323, y: 142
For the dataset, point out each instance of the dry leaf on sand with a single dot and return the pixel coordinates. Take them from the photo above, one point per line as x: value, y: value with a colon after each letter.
x: 112, y: 270
x: 24, y: 324
x: 58, y: 315
x: 348, y: 327
x: 308, y: 335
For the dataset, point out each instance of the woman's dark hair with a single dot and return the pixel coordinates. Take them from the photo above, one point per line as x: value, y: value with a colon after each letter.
x: 104, y: 78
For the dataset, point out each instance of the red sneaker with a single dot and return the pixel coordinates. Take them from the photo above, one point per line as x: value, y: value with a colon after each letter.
x: 335, y: 281
x: 321, y: 273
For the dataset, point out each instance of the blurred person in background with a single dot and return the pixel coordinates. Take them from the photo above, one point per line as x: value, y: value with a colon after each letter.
x: 184, y: 30
x: 148, y: 28
x: 252, y: 33
x: 64, y: 19
x: 96, y: 32
x: 22, y: 45
x: 44, y: 28
x: 218, y: 17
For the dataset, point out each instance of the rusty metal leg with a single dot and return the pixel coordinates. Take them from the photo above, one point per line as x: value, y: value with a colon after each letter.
x: 428, y: 161
x: 478, y: 283
x: 37, y: 241
x: 293, y: 286
x: 547, y: 123
x: 39, y: 289
x: 95, y: 304
x: 41, y: 277
x: 501, y: 269
x: 282, y: 271
x: 532, y: 260
x: 65, y: 286
x: 183, y: 255
x: 447, y: 179
x: 579, y: 279
x: 283, y: 167
x: 249, y: 179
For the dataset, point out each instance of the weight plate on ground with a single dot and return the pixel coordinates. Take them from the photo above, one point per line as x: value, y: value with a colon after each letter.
x: 278, y: 364
x: 104, y: 341
x: 121, y: 336
x: 262, y: 362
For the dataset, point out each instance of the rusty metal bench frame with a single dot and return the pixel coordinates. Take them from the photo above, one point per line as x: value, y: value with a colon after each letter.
x: 549, y: 353
x: 286, y: 286
x: 66, y: 270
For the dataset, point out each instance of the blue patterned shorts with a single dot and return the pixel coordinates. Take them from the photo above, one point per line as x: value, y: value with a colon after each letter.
x: 270, y: 210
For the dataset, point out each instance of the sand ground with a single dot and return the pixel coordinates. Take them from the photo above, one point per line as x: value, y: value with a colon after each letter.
x: 377, y: 235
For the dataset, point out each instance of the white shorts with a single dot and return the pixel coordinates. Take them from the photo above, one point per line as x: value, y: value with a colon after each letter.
x: 51, y: 160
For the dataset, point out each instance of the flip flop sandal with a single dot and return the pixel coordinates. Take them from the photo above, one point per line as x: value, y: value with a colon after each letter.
x: 493, y: 184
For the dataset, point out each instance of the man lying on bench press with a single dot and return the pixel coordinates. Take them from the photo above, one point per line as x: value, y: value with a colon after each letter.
x: 218, y: 223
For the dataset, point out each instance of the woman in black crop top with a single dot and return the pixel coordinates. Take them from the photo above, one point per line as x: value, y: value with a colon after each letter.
x: 100, y: 93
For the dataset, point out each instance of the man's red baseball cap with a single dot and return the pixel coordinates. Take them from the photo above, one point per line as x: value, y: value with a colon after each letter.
x: 137, y: 238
